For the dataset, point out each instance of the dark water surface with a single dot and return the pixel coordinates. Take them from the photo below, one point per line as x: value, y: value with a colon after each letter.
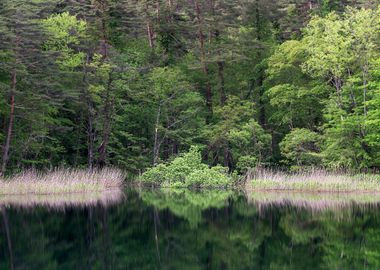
x: 189, y: 230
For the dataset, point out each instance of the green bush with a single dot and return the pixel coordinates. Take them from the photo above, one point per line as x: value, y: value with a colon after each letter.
x: 187, y: 171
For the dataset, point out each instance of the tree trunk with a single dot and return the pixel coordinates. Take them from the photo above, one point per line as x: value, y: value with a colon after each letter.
x: 260, y: 80
x: 91, y: 141
x: 223, y: 97
x: 149, y: 27
x: 156, y: 147
x: 89, y: 112
x: 106, y: 125
x: 201, y: 40
x: 10, y: 124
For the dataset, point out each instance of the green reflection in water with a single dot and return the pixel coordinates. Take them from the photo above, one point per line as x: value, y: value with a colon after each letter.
x: 187, y: 203
x: 190, y: 230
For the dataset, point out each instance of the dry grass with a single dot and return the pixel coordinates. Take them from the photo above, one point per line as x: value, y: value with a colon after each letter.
x: 62, y: 181
x: 312, y: 181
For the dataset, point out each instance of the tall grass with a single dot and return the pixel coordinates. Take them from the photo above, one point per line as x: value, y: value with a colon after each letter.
x: 314, y: 181
x: 62, y: 181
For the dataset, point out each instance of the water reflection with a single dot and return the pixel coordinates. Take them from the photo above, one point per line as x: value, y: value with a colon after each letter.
x: 189, y: 230
x: 314, y: 202
x: 63, y: 201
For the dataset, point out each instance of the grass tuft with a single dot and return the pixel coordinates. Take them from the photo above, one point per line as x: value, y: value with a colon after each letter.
x: 312, y: 181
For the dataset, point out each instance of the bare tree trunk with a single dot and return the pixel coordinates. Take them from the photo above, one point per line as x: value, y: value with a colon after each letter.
x: 156, y: 147
x: 149, y: 27
x: 150, y: 33
x: 10, y: 124
x: 201, y: 40
x: 158, y: 11
x: 91, y: 141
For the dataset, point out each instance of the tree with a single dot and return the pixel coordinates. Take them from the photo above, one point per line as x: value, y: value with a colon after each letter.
x: 301, y: 147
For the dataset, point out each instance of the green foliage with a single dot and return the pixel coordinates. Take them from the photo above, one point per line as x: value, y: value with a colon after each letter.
x: 95, y: 88
x: 65, y: 33
x: 187, y: 171
x: 301, y: 148
x: 245, y: 163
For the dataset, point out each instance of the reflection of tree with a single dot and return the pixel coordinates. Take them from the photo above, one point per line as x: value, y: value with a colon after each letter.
x: 186, y: 203
x: 157, y: 230
x: 8, y: 236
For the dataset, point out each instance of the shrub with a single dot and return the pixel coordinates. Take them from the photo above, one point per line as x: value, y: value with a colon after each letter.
x: 187, y: 171
x: 208, y: 177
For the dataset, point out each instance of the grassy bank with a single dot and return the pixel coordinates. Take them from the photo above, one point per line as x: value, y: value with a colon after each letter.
x: 314, y: 181
x: 61, y: 181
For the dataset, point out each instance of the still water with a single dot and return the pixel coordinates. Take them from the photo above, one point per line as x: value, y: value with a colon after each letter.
x: 190, y: 230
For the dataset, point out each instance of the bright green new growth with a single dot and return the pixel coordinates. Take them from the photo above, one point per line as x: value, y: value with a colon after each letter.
x: 187, y: 171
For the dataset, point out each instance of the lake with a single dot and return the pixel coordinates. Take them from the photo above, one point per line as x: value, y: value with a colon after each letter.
x: 153, y: 229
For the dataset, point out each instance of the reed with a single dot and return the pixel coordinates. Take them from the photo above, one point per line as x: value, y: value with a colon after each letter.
x: 62, y: 181
x: 313, y: 181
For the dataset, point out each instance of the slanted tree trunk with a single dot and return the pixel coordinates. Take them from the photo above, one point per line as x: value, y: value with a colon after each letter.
x: 10, y: 123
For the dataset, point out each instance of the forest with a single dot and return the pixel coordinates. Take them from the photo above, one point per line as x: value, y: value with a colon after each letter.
x: 134, y: 83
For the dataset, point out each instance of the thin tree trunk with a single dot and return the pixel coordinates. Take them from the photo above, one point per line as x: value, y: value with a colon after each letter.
x: 156, y: 147
x: 149, y: 27
x: 223, y: 97
x: 260, y: 80
x: 90, y: 125
x: 106, y: 125
x: 203, y: 59
x: 365, y: 74
x: 10, y: 124
x: 91, y: 142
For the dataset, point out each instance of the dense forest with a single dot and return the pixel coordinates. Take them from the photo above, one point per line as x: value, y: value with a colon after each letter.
x: 133, y: 83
